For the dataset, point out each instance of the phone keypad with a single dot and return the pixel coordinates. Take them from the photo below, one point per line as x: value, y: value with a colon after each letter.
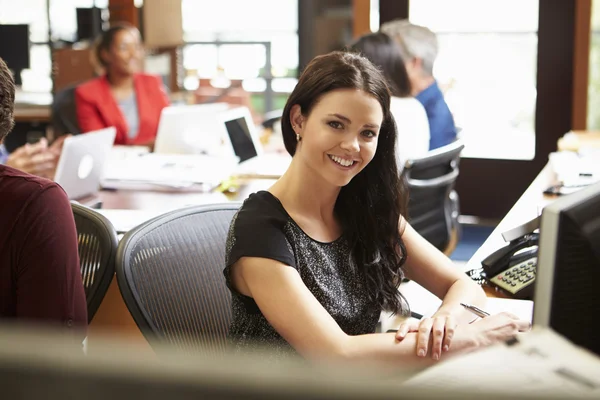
x: 517, y: 277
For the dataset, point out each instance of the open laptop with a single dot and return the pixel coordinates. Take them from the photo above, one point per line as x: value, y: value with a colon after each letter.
x: 82, y: 160
x: 190, y: 129
x: 244, y: 143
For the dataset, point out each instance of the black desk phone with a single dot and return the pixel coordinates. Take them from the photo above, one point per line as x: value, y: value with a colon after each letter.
x: 512, y: 268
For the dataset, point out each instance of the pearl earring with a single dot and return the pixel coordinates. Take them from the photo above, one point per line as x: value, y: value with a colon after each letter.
x: 298, y: 138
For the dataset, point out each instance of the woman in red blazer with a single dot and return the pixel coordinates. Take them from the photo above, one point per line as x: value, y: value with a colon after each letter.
x: 123, y: 98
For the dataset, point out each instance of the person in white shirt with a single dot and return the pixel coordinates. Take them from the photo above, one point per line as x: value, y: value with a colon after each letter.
x: 411, y: 118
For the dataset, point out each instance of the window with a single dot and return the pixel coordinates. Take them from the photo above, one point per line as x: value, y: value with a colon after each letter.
x: 63, y: 16
x: 486, y: 66
x: 271, y: 26
x: 63, y: 27
x: 31, y: 12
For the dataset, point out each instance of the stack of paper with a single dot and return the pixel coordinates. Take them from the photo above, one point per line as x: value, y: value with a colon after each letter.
x: 167, y: 171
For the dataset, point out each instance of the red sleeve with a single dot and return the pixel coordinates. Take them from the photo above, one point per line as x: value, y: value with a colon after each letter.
x: 49, y: 284
x: 88, y: 116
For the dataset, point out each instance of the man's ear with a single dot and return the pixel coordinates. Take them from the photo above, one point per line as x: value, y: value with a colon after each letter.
x: 296, y: 118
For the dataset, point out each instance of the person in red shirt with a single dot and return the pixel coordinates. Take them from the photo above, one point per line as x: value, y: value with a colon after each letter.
x: 124, y: 98
x: 40, y: 278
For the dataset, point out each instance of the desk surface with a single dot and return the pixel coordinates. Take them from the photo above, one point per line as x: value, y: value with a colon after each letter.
x: 169, y: 200
x: 32, y: 114
x: 528, y: 206
x: 114, y: 318
x: 31, y: 107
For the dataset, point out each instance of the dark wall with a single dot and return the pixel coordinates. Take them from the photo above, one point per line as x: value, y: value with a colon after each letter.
x: 392, y: 9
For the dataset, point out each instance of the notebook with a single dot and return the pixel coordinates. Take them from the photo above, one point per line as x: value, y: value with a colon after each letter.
x: 82, y: 162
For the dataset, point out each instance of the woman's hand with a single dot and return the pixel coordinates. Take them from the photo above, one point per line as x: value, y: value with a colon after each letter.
x: 498, y: 328
x: 488, y: 331
x: 34, y: 159
x: 439, y: 328
x: 481, y: 333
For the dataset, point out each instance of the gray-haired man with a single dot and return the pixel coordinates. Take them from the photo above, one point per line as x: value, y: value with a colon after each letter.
x: 419, y: 48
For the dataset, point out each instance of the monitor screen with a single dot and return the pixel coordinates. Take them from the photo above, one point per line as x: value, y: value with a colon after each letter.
x: 89, y: 23
x: 566, y: 292
x: 14, y: 48
x: 241, y: 140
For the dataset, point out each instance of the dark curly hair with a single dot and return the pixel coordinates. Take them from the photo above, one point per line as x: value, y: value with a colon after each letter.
x: 7, y: 100
x: 369, y: 208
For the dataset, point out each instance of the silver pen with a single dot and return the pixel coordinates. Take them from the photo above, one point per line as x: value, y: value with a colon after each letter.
x: 476, y: 310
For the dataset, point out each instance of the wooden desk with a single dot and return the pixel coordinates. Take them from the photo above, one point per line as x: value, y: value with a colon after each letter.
x: 149, y: 200
x: 32, y: 107
x: 32, y: 114
x: 113, y: 318
x: 528, y: 206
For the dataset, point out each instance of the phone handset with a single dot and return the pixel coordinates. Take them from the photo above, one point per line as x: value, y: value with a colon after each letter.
x: 512, y: 268
x: 500, y: 260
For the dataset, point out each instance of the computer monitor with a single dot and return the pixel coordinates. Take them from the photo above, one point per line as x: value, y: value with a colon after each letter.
x: 89, y: 23
x: 14, y: 48
x: 567, y: 292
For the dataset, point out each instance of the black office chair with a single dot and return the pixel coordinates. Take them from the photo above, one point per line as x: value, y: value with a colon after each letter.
x: 64, y: 112
x: 97, y: 245
x: 433, y: 204
x: 170, y: 273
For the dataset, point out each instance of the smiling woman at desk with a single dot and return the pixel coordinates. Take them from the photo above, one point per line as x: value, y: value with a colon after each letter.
x: 313, y: 261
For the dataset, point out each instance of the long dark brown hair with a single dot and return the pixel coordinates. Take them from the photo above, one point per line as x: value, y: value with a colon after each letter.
x: 369, y: 208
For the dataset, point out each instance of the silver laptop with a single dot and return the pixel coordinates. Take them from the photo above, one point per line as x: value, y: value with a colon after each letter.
x: 82, y: 160
x: 243, y: 142
x: 190, y: 129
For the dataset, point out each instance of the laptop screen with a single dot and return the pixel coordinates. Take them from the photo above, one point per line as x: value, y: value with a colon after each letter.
x: 239, y: 134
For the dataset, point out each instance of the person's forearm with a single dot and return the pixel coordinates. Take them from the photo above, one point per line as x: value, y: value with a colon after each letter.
x: 384, y: 348
x: 465, y: 291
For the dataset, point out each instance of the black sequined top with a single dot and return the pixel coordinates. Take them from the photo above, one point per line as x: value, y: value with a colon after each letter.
x: 262, y: 228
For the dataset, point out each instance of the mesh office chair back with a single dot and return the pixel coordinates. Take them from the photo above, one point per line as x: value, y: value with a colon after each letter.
x: 97, y: 245
x: 433, y: 204
x: 170, y: 273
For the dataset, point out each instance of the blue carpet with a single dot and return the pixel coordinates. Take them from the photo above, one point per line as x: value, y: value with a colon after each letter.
x: 471, y: 239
